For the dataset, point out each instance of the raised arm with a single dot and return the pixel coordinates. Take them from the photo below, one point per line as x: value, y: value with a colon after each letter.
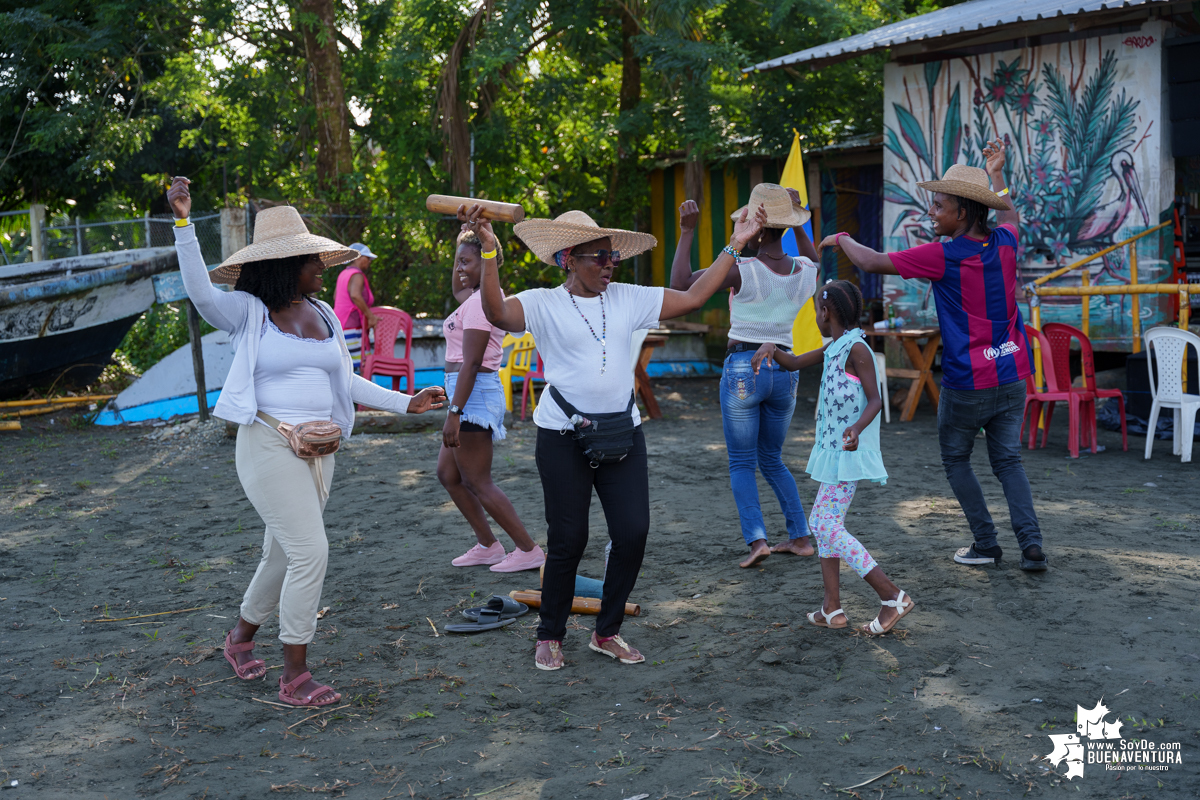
x: 677, y: 303
x: 220, y: 309
x: 860, y: 255
x: 995, y: 154
x: 506, y: 313
x: 682, y: 276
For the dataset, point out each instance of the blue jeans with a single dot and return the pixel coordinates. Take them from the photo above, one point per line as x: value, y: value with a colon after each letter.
x: 756, y: 411
x: 998, y: 412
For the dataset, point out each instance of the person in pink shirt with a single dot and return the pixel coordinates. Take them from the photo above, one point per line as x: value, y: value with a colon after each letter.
x: 352, y: 301
x: 475, y: 420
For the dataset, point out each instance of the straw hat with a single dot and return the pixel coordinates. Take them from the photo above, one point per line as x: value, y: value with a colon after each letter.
x: 781, y: 212
x: 970, y: 182
x: 545, y: 237
x: 278, y: 233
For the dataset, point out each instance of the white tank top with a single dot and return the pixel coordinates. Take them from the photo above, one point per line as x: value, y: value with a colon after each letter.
x: 292, y: 375
x: 765, y: 308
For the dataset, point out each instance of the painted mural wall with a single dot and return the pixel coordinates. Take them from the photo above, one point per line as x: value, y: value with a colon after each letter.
x: 1086, y: 165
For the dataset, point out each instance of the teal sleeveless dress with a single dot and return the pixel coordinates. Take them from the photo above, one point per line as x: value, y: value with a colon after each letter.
x: 840, y: 403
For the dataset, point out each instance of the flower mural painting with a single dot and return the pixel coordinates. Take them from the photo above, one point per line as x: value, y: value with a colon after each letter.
x: 1077, y: 118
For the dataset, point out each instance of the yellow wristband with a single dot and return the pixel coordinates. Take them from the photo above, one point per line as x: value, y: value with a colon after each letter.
x: 486, y: 256
x: 183, y: 223
x: 1002, y: 192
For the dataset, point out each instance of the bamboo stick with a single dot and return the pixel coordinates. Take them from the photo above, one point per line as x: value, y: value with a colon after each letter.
x: 1064, y: 270
x: 155, y: 614
x: 1085, y: 302
x: 500, y: 212
x: 1076, y: 291
x: 579, y: 605
x: 10, y: 425
x: 1137, y: 299
x: 89, y: 398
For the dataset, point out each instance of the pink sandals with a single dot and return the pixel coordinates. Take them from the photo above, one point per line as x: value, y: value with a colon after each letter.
x: 287, y: 693
x: 242, y: 670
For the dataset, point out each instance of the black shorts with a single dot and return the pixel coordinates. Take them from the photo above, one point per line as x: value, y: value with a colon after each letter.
x: 471, y: 427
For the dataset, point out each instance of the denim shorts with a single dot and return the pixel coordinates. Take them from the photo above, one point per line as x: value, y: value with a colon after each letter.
x: 485, y: 407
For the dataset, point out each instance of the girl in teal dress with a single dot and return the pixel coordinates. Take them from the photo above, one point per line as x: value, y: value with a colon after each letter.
x: 845, y: 451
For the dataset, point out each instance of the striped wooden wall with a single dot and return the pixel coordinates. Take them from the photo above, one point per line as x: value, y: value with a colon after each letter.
x: 726, y: 189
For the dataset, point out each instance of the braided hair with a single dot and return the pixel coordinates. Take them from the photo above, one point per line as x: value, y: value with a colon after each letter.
x: 846, y: 301
x: 977, y: 214
x: 275, y: 281
x: 471, y: 239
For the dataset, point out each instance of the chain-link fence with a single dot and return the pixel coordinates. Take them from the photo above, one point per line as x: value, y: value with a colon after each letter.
x: 65, y: 236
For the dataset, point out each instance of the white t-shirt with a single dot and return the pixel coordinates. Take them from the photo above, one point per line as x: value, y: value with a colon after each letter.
x: 571, y: 355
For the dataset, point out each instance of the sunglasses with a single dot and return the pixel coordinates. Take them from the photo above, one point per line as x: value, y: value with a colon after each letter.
x: 602, y: 256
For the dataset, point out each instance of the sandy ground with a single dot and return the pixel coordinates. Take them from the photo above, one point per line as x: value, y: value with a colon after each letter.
x: 739, y: 696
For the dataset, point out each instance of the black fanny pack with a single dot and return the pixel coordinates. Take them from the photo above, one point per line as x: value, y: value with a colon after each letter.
x: 603, y: 438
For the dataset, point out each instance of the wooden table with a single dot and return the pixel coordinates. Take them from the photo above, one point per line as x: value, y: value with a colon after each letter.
x: 921, y: 375
x: 641, y: 380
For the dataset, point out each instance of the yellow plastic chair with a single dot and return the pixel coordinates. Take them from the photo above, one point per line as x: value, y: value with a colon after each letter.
x: 520, y: 361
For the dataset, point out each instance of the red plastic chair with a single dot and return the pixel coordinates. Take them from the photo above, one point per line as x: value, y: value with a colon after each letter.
x: 1035, y: 400
x: 527, y: 398
x: 1060, y: 336
x: 392, y: 323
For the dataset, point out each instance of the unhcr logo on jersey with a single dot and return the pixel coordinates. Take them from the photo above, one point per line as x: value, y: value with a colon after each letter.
x: 1006, y: 349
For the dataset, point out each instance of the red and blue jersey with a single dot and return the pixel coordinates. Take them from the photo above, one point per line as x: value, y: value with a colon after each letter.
x: 975, y: 288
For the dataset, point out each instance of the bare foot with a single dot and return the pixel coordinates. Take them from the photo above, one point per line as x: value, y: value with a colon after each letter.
x: 799, y: 546
x: 758, y: 553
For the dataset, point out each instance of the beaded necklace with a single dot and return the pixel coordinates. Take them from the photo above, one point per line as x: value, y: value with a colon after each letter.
x: 603, y: 337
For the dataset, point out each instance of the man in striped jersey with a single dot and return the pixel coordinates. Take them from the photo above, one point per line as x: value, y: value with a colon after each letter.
x: 985, y: 357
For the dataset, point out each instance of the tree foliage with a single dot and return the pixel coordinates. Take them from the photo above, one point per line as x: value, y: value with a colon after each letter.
x: 567, y: 104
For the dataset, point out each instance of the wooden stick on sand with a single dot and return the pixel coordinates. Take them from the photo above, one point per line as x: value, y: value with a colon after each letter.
x: 579, y: 605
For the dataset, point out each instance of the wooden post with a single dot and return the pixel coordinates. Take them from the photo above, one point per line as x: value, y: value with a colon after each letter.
x: 233, y: 231
x: 37, y: 218
x: 1085, y: 278
x: 1185, y: 310
x: 193, y: 323
x: 1136, y: 302
x: 146, y: 217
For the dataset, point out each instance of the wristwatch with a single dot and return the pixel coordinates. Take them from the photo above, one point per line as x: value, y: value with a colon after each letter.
x: 453, y: 409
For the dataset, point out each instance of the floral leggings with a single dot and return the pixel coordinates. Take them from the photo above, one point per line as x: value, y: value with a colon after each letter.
x: 828, y: 522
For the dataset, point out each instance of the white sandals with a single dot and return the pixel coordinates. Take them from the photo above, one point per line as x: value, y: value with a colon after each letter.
x: 828, y: 623
x: 903, y: 604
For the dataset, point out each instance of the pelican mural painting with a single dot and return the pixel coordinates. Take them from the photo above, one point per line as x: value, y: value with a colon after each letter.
x: 1084, y: 171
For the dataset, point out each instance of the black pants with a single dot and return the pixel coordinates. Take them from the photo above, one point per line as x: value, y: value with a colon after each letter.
x: 567, y: 483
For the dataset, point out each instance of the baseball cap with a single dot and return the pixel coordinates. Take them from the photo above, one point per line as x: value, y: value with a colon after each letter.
x: 363, y: 250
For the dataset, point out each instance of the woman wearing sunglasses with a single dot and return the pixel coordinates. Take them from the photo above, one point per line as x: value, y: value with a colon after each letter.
x: 756, y: 405
x: 584, y: 332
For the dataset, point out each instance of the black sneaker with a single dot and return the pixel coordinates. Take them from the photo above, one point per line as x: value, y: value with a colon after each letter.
x: 1033, y: 559
x: 978, y: 558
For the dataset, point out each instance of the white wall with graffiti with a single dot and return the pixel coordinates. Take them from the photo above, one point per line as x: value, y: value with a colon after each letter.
x: 1084, y: 123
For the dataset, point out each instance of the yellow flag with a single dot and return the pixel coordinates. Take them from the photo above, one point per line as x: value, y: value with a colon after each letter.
x: 793, y: 170
x: 805, y: 334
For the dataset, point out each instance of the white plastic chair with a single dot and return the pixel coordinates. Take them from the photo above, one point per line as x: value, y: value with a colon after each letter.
x: 880, y: 380
x: 1168, y: 346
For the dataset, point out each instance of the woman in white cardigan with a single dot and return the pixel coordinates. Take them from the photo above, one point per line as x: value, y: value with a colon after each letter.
x: 290, y: 365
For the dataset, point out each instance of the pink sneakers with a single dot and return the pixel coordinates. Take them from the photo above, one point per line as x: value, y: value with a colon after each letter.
x: 519, y: 560
x: 480, y: 555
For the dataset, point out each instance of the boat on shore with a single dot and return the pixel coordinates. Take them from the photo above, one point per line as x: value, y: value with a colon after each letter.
x: 60, y: 320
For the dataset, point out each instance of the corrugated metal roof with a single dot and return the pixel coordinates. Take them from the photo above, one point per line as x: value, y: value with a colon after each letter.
x: 977, y: 15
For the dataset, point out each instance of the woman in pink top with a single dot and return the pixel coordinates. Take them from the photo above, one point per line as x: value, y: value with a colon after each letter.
x: 475, y: 420
x: 352, y: 301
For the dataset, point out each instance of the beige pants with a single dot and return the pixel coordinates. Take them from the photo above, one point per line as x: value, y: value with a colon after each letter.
x: 289, y: 493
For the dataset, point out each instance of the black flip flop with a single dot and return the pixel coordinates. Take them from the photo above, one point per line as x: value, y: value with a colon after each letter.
x: 488, y: 620
x: 506, y: 607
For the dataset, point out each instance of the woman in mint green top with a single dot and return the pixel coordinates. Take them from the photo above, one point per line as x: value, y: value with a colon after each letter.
x: 845, y: 451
